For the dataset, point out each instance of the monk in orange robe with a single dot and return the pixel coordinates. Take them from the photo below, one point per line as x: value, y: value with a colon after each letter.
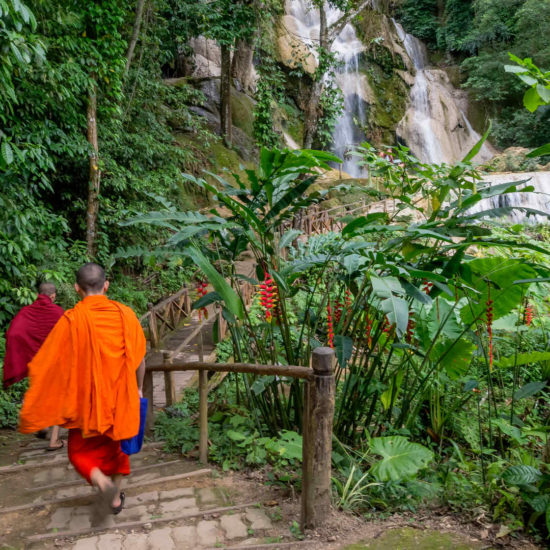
x: 88, y: 377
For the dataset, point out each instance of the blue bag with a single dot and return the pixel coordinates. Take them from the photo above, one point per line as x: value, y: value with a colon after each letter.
x: 133, y: 445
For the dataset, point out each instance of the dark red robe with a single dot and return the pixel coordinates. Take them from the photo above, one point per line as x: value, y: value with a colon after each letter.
x: 25, y: 335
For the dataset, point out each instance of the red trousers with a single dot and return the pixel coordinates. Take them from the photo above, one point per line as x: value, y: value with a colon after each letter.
x: 100, y: 452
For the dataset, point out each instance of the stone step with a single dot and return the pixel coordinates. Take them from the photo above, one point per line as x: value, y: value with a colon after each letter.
x: 85, y: 494
x: 186, y: 529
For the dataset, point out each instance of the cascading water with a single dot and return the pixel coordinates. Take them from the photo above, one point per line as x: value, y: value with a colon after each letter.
x: 434, y: 127
x: 347, y: 132
x: 538, y: 200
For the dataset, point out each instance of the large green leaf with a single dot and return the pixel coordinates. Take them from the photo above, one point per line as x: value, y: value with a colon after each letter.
x: 521, y: 474
x: 530, y: 389
x: 401, y: 459
x: 502, y: 273
x: 523, y: 358
x: 477, y: 147
x: 454, y: 356
x: 539, y: 151
x: 231, y: 300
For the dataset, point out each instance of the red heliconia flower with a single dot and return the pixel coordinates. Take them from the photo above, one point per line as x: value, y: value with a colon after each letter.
x: 427, y: 286
x: 348, y: 300
x: 338, y: 308
x: 410, y: 329
x: 268, y: 296
x: 528, y: 314
x: 330, y: 328
x: 490, y: 326
x: 202, y: 290
x: 369, y: 330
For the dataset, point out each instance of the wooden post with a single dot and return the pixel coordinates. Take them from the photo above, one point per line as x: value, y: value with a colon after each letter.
x: 169, y: 383
x: 221, y: 322
x: 203, y: 408
x: 317, y: 440
x: 153, y: 332
x: 187, y: 301
x: 148, y: 393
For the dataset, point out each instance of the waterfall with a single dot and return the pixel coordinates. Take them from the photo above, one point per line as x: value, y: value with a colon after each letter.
x: 347, y: 132
x: 537, y: 200
x: 435, y: 126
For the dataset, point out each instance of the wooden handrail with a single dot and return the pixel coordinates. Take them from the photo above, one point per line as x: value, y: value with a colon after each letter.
x: 303, y: 373
x: 319, y: 391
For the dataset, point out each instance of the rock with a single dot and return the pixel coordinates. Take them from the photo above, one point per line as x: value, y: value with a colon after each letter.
x: 234, y: 527
x: 89, y: 543
x: 257, y: 519
x: 208, y: 533
x: 291, y: 51
x: 160, y: 539
x: 135, y: 541
x: 185, y: 536
x: 176, y: 493
x: 109, y: 542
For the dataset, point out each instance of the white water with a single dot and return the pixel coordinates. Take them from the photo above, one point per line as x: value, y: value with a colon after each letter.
x: 435, y: 126
x: 538, y: 200
x: 347, y: 132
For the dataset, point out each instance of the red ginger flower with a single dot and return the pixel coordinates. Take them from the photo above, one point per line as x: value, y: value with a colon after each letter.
x: 330, y: 328
x: 268, y: 295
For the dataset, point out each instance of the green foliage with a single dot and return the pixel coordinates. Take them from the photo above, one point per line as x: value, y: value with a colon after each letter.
x: 269, y: 92
x: 420, y: 19
x: 401, y: 459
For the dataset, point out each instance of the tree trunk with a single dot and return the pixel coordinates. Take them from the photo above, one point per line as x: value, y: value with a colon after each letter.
x: 135, y: 35
x: 313, y: 109
x: 225, y: 95
x: 241, y: 65
x: 95, y: 173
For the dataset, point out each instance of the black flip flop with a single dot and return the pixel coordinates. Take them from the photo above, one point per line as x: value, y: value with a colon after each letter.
x: 51, y: 449
x: 118, y: 509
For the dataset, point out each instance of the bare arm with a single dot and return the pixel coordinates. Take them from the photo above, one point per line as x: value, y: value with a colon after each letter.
x: 140, y: 375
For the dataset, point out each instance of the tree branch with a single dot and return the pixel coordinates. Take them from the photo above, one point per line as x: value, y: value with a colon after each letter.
x: 135, y: 35
x: 338, y: 26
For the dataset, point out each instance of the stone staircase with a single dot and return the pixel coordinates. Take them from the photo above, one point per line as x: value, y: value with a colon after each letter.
x: 171, y: 503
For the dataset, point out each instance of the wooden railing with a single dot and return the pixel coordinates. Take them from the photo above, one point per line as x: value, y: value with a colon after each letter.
x: 319, y: 391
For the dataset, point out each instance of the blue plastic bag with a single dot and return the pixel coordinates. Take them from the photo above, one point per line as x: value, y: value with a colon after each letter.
x: 133, y: 445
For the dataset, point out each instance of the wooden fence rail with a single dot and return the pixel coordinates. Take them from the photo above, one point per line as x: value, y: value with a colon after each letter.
x: 319, y: 391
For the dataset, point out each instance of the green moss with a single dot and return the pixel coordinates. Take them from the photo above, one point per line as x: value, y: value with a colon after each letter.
x: 381, y: 65
x: 413, y: 539
x: 389, y: 106
x: 288, y: 118
x: 242, y: 112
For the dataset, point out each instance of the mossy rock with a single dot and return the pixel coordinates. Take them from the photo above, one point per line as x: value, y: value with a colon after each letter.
x: 389, y: 107
x: 408, y: 538
x: 287, y: 118
x: 242, y: 112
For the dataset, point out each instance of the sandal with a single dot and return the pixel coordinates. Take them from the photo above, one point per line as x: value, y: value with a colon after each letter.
x: 62, y: 444
x: 116, y: 510
x: 41, y: 434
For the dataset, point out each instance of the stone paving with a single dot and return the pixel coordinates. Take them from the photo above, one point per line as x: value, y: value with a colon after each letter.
x: 204, y: 534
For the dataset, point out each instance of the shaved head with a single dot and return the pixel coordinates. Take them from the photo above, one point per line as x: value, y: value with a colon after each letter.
x: 91, y: 278
x: 47, y: 288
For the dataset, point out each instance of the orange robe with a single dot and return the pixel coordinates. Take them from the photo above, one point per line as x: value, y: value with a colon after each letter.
x: 84, y: 378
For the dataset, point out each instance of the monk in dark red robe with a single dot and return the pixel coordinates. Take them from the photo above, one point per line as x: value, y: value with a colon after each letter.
x: 88, y: 377
x: 26, y: 333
